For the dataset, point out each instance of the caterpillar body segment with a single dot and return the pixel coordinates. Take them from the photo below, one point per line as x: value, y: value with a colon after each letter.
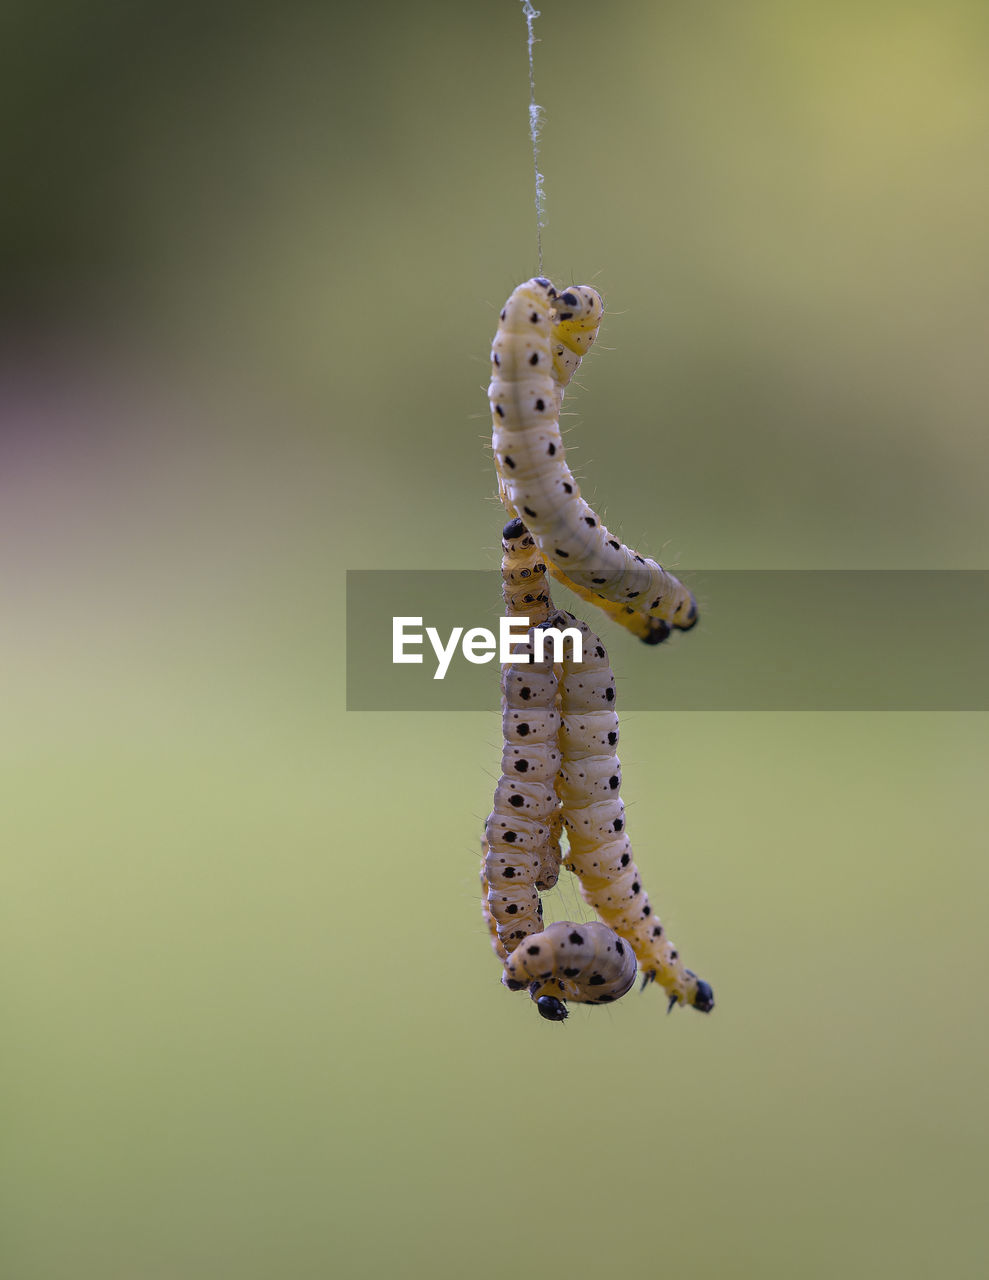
x: 600, y: 852
x: 585, y: 963
x: 541, y: 338
x: 525, y: 587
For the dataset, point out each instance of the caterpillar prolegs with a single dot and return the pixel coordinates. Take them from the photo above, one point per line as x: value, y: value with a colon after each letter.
x: 542, y: 336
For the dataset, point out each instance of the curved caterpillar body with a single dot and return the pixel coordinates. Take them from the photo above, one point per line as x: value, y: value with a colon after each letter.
x: 542, y: 336
x: 586, y: 963
x: 589, y: 786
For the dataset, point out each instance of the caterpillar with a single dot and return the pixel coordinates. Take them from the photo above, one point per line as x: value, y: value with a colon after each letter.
x: 589, y: 787
x: 521, y: 850
x: 586, y: 963
x: 541, y: 338
x: 600, y: 852
x: 526, y: 594
x: 518, y: 831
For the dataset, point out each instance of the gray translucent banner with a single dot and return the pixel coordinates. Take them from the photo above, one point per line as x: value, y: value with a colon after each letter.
x: 767, y: 640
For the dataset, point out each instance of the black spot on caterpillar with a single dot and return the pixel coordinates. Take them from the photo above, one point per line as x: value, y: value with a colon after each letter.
x: 586, y: 963
x: 541, y: 339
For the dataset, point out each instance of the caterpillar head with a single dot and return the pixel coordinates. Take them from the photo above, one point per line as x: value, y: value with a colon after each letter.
x: 551, y: 1009
x: 577, y: 313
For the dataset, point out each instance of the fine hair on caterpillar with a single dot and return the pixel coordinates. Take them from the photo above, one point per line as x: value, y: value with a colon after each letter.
x: 542, y: 336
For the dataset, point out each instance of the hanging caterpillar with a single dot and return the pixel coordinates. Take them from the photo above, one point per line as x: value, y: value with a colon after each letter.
x: 521, y: 847
x: 542, y: 337
x: 589, y: 787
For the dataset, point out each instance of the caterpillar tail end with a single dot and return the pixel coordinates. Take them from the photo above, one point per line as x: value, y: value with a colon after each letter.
x: 701, y: 999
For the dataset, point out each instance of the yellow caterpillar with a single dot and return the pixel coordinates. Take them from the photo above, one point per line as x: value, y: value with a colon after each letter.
x: 589, y: 786
x: 541, y: 338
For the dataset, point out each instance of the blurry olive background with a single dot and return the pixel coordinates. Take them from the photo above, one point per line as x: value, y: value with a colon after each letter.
x: 253, y: 256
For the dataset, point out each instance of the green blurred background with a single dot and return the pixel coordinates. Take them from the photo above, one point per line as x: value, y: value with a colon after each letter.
x: 253, y: 256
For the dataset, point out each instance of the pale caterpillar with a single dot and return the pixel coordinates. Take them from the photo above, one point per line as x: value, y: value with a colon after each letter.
x: 589, y: 786
x: 521, y: 851
x: 541, y: 338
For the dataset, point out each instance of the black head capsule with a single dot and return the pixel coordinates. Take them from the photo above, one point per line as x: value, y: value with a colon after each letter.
x: 657, y: 633
x: 704, y: 1000
x: 514, y: 529
x: 551, y: 1009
